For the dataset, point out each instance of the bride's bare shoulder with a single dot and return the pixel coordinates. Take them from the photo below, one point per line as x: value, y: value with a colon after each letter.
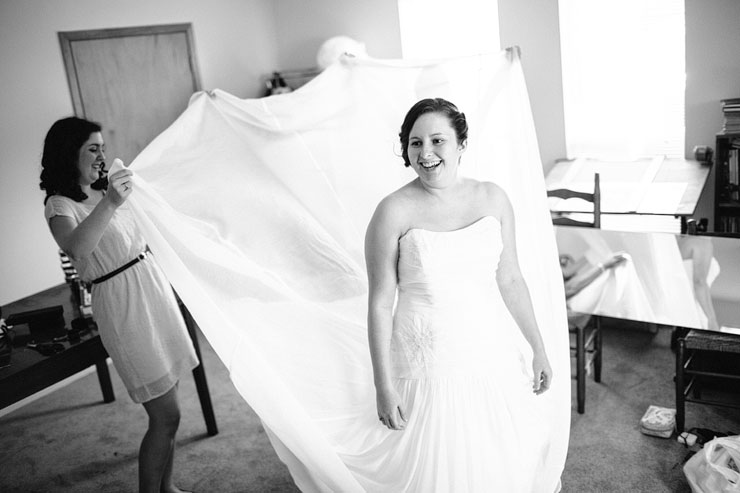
x: 393, y: 211
x: 494, y: 190
x: 490, y: 194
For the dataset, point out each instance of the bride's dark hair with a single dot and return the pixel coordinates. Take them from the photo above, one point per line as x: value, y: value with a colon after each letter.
x: 59, y: 174
x: 432, y: 105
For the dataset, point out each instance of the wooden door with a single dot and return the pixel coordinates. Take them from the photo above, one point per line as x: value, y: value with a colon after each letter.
x: 134, y: 81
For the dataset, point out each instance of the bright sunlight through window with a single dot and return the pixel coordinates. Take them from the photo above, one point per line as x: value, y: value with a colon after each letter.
x: 433, y: 29
x: 623, y: 65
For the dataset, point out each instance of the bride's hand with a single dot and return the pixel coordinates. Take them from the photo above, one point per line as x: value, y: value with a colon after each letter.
x: 542, y: 373
x: 390, y: 409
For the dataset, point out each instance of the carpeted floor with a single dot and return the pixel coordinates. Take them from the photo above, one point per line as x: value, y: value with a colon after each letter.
x: 607, y: 452
x: 69, y: 441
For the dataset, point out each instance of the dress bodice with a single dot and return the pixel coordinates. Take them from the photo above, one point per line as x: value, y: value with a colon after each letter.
x: 439, y: 268
x: 448, y: 300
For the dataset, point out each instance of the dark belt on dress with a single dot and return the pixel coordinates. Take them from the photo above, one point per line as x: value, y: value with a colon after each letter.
x: 122, y: 268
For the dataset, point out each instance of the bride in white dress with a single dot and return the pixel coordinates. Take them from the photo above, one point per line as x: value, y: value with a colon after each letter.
x: 256, y: 211
x: 458, y: 360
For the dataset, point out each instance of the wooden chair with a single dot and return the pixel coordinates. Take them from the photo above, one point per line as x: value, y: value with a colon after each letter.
x: 585, y: 330
x: 702, y: 357
x: 562, y: 219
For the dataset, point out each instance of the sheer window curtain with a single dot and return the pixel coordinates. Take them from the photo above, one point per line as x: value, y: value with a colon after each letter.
x: 623, y: 64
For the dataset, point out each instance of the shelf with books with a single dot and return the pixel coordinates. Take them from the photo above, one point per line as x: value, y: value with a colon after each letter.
x: 731, y: 114
x: 727, y: 183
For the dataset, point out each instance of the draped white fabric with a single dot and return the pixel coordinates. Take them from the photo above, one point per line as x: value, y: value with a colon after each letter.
x: 652, y: 286
x: 256, y: 210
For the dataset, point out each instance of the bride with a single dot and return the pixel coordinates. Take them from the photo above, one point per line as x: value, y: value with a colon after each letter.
x: 449, y: 372
x: 255, y: 210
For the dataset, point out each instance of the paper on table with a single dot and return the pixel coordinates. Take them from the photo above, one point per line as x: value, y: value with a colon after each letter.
x: 615, y: 198
x: 573, y: 170
x: 662, y: 198
x: 565, y: 173
x: 623, y: 185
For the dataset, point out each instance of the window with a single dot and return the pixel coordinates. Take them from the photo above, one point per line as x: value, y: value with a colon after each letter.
x: 433, y: 29
x: 623, y: 64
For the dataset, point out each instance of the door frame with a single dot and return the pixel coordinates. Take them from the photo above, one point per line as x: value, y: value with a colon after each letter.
x: 67, y: 38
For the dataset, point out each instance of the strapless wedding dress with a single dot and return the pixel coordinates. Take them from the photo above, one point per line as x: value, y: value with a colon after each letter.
x: 463, y: 371
x: 269, y: 262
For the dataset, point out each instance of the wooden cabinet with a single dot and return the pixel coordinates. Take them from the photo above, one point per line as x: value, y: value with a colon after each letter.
x: 727, y: 184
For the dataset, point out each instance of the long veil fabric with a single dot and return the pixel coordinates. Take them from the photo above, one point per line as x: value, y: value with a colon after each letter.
x: 256, y: 210
x: 653, y: 285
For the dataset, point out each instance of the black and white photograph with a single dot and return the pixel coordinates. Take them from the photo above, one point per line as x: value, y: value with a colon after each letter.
x: 370, y: 246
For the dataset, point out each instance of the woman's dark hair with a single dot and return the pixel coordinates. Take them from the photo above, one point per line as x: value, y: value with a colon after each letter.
x: 60, y: 174
x: 432, y: 105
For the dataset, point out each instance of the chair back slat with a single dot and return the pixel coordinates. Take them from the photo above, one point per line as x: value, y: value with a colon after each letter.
x: 594, y: 198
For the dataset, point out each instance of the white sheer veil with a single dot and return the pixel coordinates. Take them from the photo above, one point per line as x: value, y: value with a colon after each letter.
x: 256, y: 210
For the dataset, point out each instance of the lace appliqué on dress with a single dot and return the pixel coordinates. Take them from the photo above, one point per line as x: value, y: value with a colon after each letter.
x: 419, y: 343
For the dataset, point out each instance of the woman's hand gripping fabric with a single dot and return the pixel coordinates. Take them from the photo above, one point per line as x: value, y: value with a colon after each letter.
x: 120, y: 182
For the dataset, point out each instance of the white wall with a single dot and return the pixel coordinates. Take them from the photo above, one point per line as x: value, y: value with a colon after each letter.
x: 235, y: 46
x: 302, y: 26
x: 533, y: 25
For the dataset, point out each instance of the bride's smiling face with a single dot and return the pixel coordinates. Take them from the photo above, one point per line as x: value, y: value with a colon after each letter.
x: 433, y: 150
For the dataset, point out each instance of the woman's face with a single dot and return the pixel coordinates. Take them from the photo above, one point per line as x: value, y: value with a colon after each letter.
x: 91, y: 159
x: 433, y: 150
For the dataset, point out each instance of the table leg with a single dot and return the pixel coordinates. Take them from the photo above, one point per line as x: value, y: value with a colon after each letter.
x: 104, y: 378
x: 199, y: 375
x: 680, y: 385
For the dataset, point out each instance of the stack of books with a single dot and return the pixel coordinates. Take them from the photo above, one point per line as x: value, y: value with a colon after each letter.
x: 731, y: 112
x: 733, y: 169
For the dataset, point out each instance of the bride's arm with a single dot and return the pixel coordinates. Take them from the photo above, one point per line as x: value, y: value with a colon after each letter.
x: 515, y: 293
x: 381, y: 257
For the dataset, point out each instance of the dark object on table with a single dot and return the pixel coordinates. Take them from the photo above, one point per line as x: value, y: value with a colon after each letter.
x: 46, y: 348
x: 44, y: 324
x: 6, y: 346
x: 277, y: 85
x: 82, y: 325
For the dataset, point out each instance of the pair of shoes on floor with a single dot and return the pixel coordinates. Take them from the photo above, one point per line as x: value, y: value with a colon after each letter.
x: 700, y: 436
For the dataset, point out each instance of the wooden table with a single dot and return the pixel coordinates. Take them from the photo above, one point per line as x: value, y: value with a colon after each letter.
x: 659, y: 186
x: 30, y: 372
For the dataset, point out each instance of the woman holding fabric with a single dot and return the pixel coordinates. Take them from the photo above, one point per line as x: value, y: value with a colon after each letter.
x: 134, y: 306
x: 460, y: 361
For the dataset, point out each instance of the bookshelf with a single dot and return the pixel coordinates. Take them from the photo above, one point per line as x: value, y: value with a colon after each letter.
x: 727, y: 184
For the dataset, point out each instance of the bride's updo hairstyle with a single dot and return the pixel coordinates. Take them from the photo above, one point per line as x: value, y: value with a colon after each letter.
x: 432, y: 105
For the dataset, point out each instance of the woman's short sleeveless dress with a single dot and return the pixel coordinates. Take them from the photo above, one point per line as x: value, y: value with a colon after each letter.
x: 137, y: 314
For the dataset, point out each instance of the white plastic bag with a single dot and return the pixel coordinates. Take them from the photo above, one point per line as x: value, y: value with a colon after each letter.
x: 714, y: 469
